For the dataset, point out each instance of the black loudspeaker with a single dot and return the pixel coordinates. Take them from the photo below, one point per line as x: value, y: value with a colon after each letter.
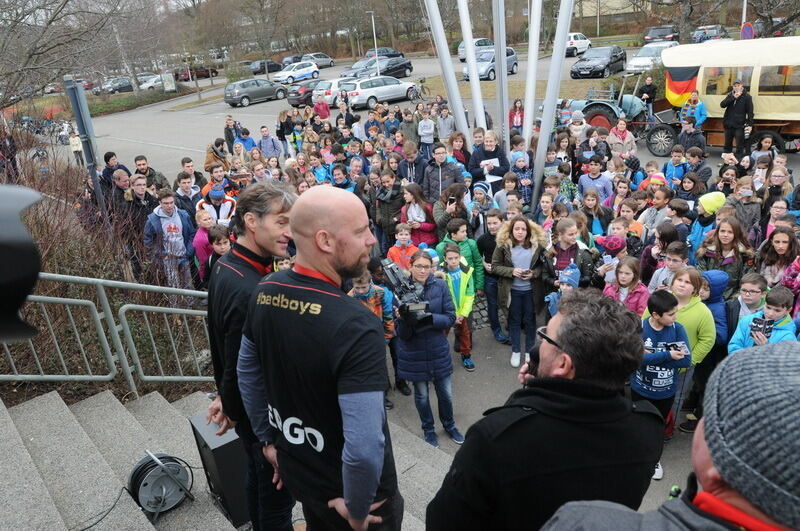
x: 225, y: 465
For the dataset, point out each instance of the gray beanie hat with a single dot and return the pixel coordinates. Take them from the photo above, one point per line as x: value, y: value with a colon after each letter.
x: 752, y: 427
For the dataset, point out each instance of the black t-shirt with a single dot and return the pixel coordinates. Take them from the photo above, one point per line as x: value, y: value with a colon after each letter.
x: 486, y: 245
x: 315, y: 343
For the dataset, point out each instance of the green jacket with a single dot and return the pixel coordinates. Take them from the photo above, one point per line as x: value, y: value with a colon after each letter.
x: 466, y: 290
x: 469, y: 253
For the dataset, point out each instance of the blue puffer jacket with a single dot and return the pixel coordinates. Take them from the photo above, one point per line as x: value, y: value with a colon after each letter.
x: 717, y: 282
x: 425, y: 356
x: 697, y: 233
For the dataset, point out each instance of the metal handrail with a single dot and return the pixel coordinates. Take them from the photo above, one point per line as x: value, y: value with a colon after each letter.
x: 114, y: 355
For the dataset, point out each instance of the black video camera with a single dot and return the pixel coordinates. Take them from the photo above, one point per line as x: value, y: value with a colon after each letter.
x: 413, y: 309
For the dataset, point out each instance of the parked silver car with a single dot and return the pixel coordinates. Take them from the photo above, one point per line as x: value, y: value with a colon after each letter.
x: 486, y: 66
x: 482, y: 44
x: 247, y: 91
x: 322, y: 60
x: 368, y: 92
x: 329, y: 89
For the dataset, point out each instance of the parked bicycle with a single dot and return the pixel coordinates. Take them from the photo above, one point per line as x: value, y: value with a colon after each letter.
x: 419, y: 93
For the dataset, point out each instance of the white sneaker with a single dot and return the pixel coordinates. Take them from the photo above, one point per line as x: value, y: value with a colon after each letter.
x: 515, y: 356
x: 658, y: 473
x: 527, y: 358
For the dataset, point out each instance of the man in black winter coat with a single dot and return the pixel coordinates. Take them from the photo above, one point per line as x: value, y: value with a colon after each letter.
x: 738, y: 105
x: 568, y: 435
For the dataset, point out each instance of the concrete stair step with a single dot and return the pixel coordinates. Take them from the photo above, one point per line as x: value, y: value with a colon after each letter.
x: 412, y: 523
x: 417, y: 481
x: 81, y: 483
x: 24, y: 497
x: 170, y: 427
x: 433, y: 457
x: 191, y: 405
x: 123, y: 441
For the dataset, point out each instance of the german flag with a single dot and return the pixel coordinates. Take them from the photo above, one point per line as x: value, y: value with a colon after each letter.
x: 681, y: 81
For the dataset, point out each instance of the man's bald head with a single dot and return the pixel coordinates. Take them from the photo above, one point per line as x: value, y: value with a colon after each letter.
x: 331, y: 231
x: 321, y: 207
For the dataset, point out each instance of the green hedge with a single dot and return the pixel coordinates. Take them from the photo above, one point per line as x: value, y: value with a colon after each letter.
x: 101, y: 105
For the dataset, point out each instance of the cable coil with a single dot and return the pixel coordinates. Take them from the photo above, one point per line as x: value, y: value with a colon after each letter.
x: 157, y: 489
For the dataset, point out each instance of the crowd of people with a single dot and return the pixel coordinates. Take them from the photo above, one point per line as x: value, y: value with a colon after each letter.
x: 702, y: 262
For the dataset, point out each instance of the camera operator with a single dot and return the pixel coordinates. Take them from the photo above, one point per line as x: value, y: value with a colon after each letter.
x: 570, y: 434
x: 423, y: 353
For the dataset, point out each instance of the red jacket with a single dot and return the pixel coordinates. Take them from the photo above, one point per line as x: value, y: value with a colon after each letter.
x: 426, y: 233
x: 322, y: 109
x: 636, y: 301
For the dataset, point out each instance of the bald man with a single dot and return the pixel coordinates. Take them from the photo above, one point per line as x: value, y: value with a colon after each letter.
x: 322, y: 360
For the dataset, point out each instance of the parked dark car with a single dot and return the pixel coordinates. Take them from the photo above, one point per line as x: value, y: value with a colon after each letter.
x: 257, y: 67
x: 301, y: 93
x: 708, y: 33
x: 662, y: 33
x: 389, y: 66
x: 384, y: 51
x: 247, y: 91
x: 291, y: 59
x: 599, y: 62
x: 118, y: 84
x: 198, y: 72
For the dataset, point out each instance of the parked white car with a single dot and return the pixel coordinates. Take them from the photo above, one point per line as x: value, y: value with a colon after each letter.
x: 368, y: 92
x: 482, y: 44
x: 577, y: 43
x: 486, y: 66
x: 648, y: 56
x: 297, y: 72
x: 329, y: 90
x: 322, y: 60
x: 152, y: 83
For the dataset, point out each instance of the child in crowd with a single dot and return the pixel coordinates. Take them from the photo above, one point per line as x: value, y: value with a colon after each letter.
x: 510, y: 181
x: 486, y: 246
x: 675, y: 259
x: 677, y: 210
x: 551, y: 163
x: 622, y: 191
x: 727, y: 249
x: 691, y: 189
x: 627, y: 210
x: 220, y: 238
x: 746, y: 203
x: 621, y: 227
x: 567, y: 279
x: 657, y: 212
x: 477, y: 137
x: 457, y: 234
x: 567, y: 188
x: 519, y: 165
x: 201, y: 243
x: 707, y: 207
x: 322, y: 171
x: 403, y: 249
x: 626, y: 286
x: 675, y: 168
x: 551, y: 186
x: 283, y: 263
x: 481, y: 203
x: 666, y: 350
x: 594, y: 180
x: 642, y: 203
x: 460, y: 282
x: 597, y: 216
x: 767, y: 326
x: 543, y: 209
x: 750, y: 300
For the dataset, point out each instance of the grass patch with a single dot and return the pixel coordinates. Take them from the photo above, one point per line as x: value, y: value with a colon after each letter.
x: 570, y: 88
x: 195, y: 103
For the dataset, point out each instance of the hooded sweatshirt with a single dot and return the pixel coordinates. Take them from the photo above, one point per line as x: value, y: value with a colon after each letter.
x: 783, y: 330
x: 172, y: 230
x: 717, y: 282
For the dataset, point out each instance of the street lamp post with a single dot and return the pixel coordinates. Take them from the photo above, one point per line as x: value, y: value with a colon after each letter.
x: 375, y: 41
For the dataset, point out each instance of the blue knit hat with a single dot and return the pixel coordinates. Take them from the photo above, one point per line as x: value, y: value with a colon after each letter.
x: 570, y: 275
x: 485, y: 188
x: 217, y: 192
x: 516, y: 155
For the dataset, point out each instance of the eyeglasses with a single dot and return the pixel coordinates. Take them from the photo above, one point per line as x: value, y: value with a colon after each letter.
x: 750, y: 291
x: 777, y: 208
x: 540, y: 333
x: 420, y: 267
x: 440, y: 153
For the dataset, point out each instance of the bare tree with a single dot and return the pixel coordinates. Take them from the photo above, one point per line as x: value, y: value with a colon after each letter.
x: 41, y: 40
x: 766, y: 10
x: 262, y: 17
x: 685, y: 14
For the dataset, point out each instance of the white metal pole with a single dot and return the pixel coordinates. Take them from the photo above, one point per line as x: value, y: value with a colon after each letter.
x: 375, y: 40
x: 472, y: 66
x: 744, y: 13
x: 551, y: 95
x: 598, y: 18
x: 534, y: 29
x: 501, y: 67
x: 446, y: 64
